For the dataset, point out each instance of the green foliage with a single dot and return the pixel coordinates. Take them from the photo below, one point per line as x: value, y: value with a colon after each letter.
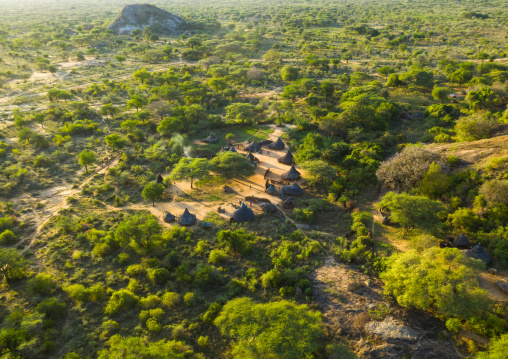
x: 8, y: 237
x: 277, y: 329
x: 231, y: 165
x: 446, y: 282
x: 121, y: 299
x: 41, y: 284
x: 12, y: 264
x: 497, y: 349
x: 135, y: 347
x: 86, y: 158
x: 153, y: 191
x: 413, y: 211
x: 51, y: 308
x: 475, y: 127
x: 190, y: 169
x: 495, y: 192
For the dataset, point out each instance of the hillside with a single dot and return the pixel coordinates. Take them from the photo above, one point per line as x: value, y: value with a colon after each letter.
x: 139, y: 16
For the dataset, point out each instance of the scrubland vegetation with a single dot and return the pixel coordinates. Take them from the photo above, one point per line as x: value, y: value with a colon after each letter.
x: 376, y: 100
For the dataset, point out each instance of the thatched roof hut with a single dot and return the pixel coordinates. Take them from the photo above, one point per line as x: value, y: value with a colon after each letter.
x: 210, y: 139
x: 271, y: 190
x: 187, y: 219
x: 168, y: 217
x: 277, y: 145
x: 232, y: 149
x: 287, y: 159
x: 160, y: 179
x: 268, y: 207
x: 479, y: 253
x: 292, y: 190
x: 253, y: 147
x: 243, y: 214
x: 291, y: 175
x: 461, y: 242
x: 250, y: 156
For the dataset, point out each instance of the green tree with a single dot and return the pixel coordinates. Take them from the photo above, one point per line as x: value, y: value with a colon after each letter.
x: 142, y: 75
x: 440, y: 94
x: 120, y: 58
x: 153, y: 191
x: 109, y: 110
x: 347, y: 56
x: 385, y: 71
x: 231, y: 165
x: 240, y: 111
x: 86, y: 158
x: 115, y: 141
x: 475, y: 127
x: 137, y: 102
x: 135, y: 348
x: 292, y: 92
x: 441, y: 279
x: 495, y: 192
x: 413, y: 211
x: 139, y: 231
x: 289, y: 73
x: 498, y: 348
x: 320, y: 174
x: 190, y: 168
x: 272, y: 330
x: 12, y: 264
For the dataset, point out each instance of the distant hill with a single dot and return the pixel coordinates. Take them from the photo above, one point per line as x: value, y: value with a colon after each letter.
x: 139, y: 16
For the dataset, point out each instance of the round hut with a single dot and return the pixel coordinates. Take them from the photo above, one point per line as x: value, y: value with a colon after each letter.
x: 292, y: 190
x: 250, y: 156
x: 291, y: 175
x: 253, y: 147
x: 268, y: 207
x: 243, y: 214
x: 168, y: 217
x: 287, y: 159
x: 232, y: 149
x: 461, y: 242
x: 479, y: 253
x: 277, y: 145
x: 187, y: 218
x: 271, y: 190
x: 210, y: 139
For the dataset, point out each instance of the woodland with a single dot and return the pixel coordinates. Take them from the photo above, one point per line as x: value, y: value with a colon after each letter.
x: 395, y: 112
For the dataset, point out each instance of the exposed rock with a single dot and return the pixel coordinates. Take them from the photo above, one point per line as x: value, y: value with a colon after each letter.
x: 139, y: 16
x: 392, y: 331
x: 503, y: 285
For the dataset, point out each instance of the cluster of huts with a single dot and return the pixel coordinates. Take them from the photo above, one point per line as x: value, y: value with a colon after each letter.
x: 463, y: 243
x: 242, y: 214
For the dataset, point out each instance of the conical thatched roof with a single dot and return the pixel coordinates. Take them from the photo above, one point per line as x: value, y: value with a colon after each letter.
x: 211, y: 138
x: 287, y: 159
x: 187, y: 219
x: 479, y: 253
x: 292, y: 190
x: 243, y: 214
x: 253, y: 146
x: 461, y: 242
x: 292, y: 174
x: 250, y: 156
x: 160, y: 179
x: 232, y: 149
x: 268, y: 207
x: 168, y: 217
x: 271, y: 190
x: 277, y: 145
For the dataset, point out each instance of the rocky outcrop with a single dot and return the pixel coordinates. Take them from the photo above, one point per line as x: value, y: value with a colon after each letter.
x: 139, y: 16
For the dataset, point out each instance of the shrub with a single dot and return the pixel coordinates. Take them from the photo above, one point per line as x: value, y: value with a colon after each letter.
x: 8, y: 237
x: 495, y: 192
x: 217, y: 256
x: 203, y: 341
x: 475, y: 127
x: 158, y: 276
x: 150, y: 302
x: 42, y: 284
x: 153, y: 325
x: 497, y: 349
x: 453, y: 325
x: 122, y: 299
x: 51, y: 307
x: 171, y: 299
x: 189, y: 298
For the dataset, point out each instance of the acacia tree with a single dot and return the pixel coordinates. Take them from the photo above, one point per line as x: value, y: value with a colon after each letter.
x: 86, y: 158
x: 152, y: 191
x: 231, y: 164
x: 440, y: 94
x: 109, y: 110
x: 190, y: 168
x: 446, y: 282
x: 140, y: 232
x: 272, y: 330
x: 142, y: 75
x: 240, y: 111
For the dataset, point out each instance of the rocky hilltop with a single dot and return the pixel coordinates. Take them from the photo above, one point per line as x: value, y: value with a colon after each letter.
x: 139, y: 16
